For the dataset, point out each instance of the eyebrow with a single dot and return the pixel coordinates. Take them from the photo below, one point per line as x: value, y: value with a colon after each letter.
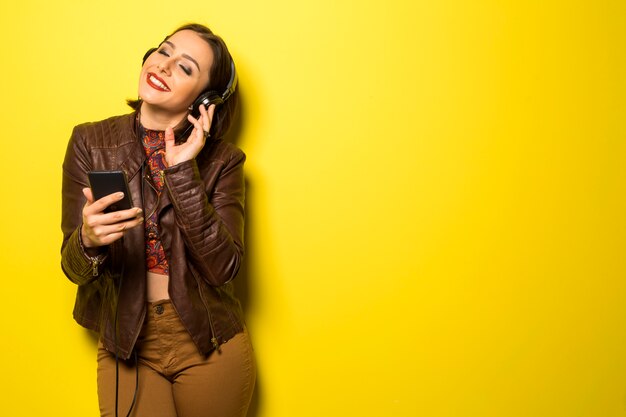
x: 184, y: 55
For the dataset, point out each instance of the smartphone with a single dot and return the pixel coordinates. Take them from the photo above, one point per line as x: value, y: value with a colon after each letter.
x: 103, y: 183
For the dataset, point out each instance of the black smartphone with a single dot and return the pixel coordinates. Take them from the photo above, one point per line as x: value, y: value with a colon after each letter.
x: 103, y: 183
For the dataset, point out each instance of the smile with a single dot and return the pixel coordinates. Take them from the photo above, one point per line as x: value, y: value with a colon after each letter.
x: 156, y: 83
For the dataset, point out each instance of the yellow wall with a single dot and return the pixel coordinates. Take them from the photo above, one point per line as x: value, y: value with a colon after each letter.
x: 437, y: 199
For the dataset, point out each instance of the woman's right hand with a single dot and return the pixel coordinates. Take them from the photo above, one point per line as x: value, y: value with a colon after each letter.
x: 99, y: 228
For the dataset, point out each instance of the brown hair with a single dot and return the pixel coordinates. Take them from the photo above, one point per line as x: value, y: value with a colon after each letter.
x: 219, y: 76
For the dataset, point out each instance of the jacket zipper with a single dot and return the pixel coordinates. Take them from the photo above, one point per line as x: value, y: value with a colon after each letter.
x: 214, y: 341
x: 95, y: 261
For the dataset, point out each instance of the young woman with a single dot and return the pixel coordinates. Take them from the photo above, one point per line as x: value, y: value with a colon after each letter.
x: 154, y: 280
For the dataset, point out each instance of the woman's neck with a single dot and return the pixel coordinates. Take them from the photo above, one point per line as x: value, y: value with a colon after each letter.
x: 157, y: 119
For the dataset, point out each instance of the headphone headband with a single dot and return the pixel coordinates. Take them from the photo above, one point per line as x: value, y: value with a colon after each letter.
x: 232, y: 83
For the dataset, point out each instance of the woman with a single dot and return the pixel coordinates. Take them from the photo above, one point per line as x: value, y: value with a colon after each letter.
x: 154, y: 280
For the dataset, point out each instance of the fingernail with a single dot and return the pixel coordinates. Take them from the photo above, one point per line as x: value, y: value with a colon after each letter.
x: 138, y: 211
x: 120, y: 194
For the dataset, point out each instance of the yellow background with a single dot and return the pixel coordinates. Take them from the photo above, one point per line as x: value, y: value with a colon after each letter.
x: 436, y: 199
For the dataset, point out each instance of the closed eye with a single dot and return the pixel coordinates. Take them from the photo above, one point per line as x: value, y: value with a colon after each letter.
x: 186, y: 69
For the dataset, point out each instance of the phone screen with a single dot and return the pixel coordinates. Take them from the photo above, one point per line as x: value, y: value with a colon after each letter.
x: 103, y: 183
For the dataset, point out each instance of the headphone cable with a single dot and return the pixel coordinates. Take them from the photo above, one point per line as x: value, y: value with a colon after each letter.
x: 117, y: 364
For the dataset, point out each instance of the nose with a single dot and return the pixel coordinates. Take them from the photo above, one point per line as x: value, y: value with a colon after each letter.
x: 164, y: 65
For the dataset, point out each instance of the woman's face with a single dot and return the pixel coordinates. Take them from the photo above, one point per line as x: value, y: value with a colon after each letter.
x: 174, y: 75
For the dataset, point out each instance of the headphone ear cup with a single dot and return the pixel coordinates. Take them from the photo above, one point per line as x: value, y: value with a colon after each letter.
x: 205, y: 99
x: 147, y: 54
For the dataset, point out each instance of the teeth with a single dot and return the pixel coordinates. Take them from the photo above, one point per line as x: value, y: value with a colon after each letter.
x: 158, y: 83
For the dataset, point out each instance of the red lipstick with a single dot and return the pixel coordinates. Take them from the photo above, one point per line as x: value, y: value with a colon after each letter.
x: 157, y: 83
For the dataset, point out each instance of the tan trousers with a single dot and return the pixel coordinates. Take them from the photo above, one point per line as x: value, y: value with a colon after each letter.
x: 174, y: 379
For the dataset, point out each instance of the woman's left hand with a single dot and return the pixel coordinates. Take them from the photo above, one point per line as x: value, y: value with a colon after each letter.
x: 175, y: 154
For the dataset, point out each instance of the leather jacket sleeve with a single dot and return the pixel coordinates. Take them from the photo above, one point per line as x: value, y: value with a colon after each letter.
x: 77, y: 265
x: 212, y: 229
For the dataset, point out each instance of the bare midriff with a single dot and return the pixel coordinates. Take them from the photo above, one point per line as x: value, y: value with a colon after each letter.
x: 157, y: 287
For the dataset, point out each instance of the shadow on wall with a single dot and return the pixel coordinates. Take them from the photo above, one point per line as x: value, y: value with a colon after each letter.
x: 242, y: 286
x: 246, y: 275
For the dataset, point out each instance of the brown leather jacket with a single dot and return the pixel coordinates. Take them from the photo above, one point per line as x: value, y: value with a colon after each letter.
x: 201, y: 218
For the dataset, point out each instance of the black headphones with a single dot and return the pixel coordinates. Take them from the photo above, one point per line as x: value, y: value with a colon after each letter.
x: 208, y: 97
